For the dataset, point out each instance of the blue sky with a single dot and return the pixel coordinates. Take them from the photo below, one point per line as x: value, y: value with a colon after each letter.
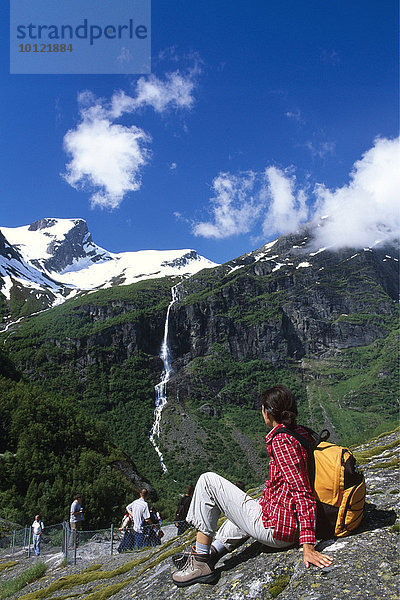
x: 251, y: 123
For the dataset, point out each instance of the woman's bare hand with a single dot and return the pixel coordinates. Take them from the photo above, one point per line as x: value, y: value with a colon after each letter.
x: 313, y: 557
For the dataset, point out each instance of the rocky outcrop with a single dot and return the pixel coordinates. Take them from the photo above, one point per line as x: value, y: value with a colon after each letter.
x: 365, y: 564
x: 285, y: 301
x: 277, y: 304
x: 7, y: 251
x: 76, y: 244
x: 22, y: 284
x: 129, y: 471
x: 122, y: 341
x: 182, y: 261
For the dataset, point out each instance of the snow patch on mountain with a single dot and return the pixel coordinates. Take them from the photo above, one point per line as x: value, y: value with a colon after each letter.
x: 59, y: 254
x: 56, y: 245
x: 33, y: 241
x: 13, y: 270
x: 129, y: 267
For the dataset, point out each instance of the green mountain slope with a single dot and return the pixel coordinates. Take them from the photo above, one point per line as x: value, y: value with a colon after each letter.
x: 326, y: 327
x: 49, y: 450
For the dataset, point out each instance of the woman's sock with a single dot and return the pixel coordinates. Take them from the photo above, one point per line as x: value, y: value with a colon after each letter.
x: 218, y: 546
x: 202, y: 548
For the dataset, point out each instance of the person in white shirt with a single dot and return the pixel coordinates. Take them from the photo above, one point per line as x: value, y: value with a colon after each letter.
x: 140, y: 514
x: 37, y: 529
x: 75, y: 520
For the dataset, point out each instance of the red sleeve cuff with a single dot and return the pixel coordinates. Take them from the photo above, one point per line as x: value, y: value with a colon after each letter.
x: 307, y: 537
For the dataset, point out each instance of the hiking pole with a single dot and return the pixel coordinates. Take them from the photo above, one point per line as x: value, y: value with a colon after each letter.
x: 67, y: 536
x: 64, y: 540
x: 13, y: 542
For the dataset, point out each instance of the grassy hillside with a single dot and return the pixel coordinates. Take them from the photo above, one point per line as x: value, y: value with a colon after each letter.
x: 358, y: 390
x: 77, y: 385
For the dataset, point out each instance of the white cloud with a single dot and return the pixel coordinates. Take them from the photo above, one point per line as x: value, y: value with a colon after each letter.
x: 121, y: 103
x: 233, y: 208
x: 173, y: 166
x: 360, y: 214
x: 125, y: 56
x: 286, y: 208
x: 180, y: 217
x: 321, y: 150
x: 108, y: 158
x: 175, y: 92
x: 366, y: 210
x: 295, y: 115
x: 240, y: 202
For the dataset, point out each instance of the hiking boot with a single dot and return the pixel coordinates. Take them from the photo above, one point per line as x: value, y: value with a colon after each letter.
x: 198, y: 569
x: 180, y: 559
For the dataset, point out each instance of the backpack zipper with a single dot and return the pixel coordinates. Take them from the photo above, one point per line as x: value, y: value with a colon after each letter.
x: 343, y: 526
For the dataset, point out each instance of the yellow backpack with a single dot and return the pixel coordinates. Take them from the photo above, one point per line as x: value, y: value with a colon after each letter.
x: 337, y: 484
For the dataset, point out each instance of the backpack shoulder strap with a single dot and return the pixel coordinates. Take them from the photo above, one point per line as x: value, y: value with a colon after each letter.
x: 297, y: 436
x: 307, y: 444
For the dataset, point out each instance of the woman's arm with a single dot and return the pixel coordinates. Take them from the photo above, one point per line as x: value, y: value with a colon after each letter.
x: 292, y: 464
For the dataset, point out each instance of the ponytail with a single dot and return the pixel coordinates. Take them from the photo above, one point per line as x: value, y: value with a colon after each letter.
x: 279, y: 402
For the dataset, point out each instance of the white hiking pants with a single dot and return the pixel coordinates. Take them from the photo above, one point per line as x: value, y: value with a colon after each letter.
x: 214, y: 495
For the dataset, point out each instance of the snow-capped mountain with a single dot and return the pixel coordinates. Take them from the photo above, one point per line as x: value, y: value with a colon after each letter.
x: 58, y: 258
x: 14, y: 268
x: 55, y: 245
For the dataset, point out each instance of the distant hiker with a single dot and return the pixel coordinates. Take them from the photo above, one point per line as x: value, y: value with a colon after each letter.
x: 155, y: 516
x: 128, y: 540
x: 37, y: 530
x: 182, y: 510
x: 76, y: 518
x: 285, y: 514
x: 126, y: 522
x: 140, y: 514
x: 155, y: 532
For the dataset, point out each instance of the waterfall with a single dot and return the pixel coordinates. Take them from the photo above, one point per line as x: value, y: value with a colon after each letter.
x: 161, y: 388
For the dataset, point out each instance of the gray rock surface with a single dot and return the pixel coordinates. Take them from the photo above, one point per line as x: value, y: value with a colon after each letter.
x: 365, y: 563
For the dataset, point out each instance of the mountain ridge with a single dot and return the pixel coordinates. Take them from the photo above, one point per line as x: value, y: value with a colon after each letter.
x: 58, y: 259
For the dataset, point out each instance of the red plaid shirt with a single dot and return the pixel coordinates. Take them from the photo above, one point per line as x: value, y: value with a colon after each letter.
x: 287, y: 502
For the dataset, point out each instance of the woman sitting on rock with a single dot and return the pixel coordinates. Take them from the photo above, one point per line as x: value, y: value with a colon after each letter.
x: 285, y: 515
